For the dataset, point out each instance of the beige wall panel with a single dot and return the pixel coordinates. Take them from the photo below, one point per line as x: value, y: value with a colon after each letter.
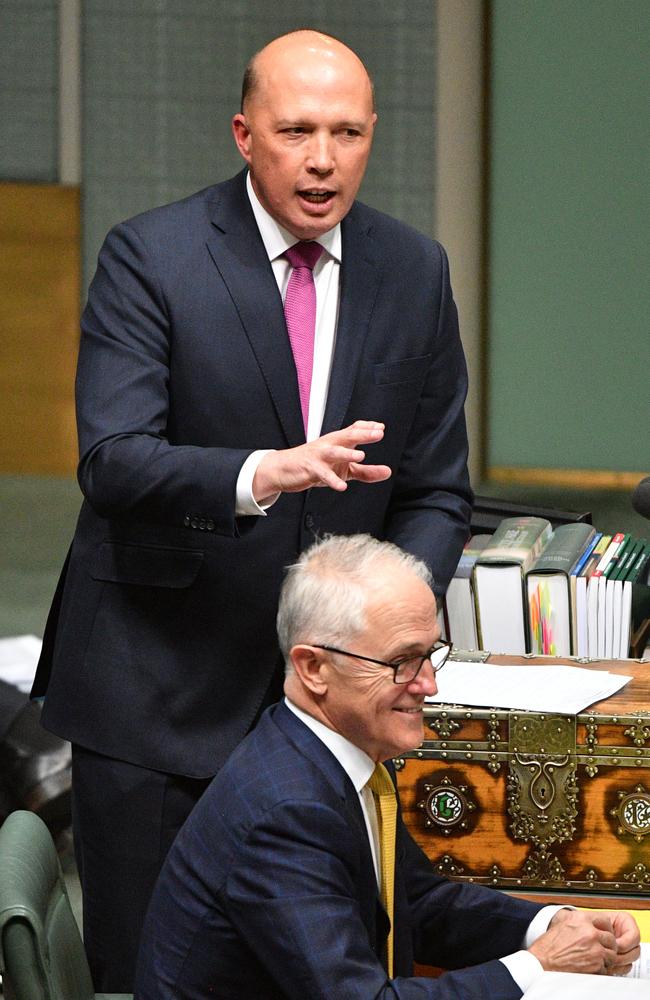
x: 39, y: 327
x: 43, y: 438
x: 459, y: 165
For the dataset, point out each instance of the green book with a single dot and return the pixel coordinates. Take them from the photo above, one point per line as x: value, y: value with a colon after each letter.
x: 626, y: 562
x: 636, y: 597
x: 636, y: 569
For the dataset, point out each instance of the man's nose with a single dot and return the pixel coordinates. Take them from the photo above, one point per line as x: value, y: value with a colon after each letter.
x: 426, y: 680
x: 321, y: 158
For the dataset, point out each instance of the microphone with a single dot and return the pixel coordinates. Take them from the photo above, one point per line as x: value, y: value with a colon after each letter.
x: 641, y: 498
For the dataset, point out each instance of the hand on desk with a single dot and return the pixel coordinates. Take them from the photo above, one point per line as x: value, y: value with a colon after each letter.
x: 627, y: 941
x: 330, y: 460
x: 592, y: 941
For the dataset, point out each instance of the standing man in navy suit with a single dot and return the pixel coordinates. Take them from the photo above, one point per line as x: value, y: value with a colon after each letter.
x: 201, y: 478
x: 272, y: 888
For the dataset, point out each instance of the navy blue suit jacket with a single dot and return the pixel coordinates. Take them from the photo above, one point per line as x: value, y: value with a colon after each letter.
x: 185, y: 368
x: 269, y: 891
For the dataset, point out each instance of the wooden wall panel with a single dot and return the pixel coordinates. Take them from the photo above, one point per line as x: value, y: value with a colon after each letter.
x: 39, y: 327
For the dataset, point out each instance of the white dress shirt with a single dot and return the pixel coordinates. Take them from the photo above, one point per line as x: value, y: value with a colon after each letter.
x: 276, y: 241
x: 524, y: 968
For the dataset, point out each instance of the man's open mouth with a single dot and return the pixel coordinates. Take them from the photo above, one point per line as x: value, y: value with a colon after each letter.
x: 316, y: 197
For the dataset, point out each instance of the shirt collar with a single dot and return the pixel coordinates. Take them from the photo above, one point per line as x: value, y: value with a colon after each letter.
x: 277, y: 239
x: 357, y: 765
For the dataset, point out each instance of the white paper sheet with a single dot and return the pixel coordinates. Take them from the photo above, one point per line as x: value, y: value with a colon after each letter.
x: 575, y: 986
x: 555, y: 687
x: 641, y: 968
x: 18, y: 658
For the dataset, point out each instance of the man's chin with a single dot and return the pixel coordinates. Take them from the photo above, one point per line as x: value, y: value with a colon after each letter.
x: 311, y: 231
x: 314, y: 220
x: 412, y: 723
x: 409, y: 734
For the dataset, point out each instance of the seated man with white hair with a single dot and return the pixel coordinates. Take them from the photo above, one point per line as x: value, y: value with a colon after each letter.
x: 295, y: 877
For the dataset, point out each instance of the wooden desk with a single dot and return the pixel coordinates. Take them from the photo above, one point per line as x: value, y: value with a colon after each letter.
x: 526, y: 801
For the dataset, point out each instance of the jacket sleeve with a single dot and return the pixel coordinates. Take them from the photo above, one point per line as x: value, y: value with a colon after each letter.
x: 455, y: 924
x: 128, y: 465
x: 432, y: 499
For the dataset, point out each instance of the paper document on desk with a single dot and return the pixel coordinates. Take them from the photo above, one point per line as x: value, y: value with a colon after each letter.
x: 554, y: 687
x: 641, y: 968
x: 576, y: 986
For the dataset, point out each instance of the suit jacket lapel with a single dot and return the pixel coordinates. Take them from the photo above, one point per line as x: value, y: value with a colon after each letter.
x: 310, y: 746
x: 238, y: 253
x: 360, y: 280
x: 315, y: 750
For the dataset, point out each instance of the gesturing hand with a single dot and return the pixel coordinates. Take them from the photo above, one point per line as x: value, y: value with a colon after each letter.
x: 331, y: 460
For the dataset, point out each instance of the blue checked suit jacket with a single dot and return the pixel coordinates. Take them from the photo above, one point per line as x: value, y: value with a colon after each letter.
x: 185, y: 368
x: 269, y: 892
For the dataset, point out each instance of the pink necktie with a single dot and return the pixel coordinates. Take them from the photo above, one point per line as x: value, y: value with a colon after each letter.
x: 300, y: 314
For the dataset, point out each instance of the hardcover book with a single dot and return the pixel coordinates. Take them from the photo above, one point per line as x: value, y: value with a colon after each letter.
x: 461, y: 614
x: 548, y: 589
x: 498, y: 582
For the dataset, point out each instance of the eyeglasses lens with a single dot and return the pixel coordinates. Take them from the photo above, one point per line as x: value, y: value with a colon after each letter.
x: 439, y: 657
x: 408, y: 669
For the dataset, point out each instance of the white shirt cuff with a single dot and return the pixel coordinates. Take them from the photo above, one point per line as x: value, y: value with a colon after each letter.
x: 524, y: 968
x: 245, y: 502
x: 539, y: 923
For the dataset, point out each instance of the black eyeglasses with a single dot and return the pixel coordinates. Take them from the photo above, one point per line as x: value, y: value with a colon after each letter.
x: 406, y: 669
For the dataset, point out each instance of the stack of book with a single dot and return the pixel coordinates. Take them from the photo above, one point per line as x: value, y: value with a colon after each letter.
x: 616, y: 596
x: 459, y: 599
x: 527, y: 589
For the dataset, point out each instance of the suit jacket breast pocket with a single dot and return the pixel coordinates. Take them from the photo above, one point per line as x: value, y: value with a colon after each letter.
x: 146, y: 565
x: 403, y: 372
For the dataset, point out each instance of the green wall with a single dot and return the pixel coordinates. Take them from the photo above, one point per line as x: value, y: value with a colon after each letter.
x: 29, y: 90
x: 569, y: 221
x: 162, y: 79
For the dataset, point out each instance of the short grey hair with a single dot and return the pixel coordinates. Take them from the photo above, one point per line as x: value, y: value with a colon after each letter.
x: 324, y: 595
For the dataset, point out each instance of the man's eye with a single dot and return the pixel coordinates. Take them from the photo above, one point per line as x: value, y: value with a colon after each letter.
x: 396, y: 664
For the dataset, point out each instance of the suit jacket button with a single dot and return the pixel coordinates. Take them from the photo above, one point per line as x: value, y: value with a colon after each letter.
x: 186, y: 520
x: 194, y: 523
x: 309, y: 521
x: 202, y: 523
x: 210, y: 525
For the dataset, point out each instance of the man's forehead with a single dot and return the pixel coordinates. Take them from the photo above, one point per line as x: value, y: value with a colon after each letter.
x: 302, y: 54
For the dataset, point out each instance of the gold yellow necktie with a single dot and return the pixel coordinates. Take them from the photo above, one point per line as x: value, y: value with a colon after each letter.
x: 383, y: 790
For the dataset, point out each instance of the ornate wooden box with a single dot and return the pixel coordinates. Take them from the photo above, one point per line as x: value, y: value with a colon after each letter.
x: 532, y: 801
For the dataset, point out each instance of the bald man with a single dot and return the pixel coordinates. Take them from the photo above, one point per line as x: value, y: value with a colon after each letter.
x: 210, y: 457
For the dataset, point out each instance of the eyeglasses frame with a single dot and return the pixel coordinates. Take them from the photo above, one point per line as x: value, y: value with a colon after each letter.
x: 395, y: 665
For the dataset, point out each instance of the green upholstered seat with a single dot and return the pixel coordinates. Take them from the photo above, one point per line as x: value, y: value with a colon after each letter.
x: 41, y: 952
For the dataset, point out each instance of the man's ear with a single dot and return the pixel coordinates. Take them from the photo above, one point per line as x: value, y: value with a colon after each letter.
x: 242, y: 135
x: 308, y: 663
